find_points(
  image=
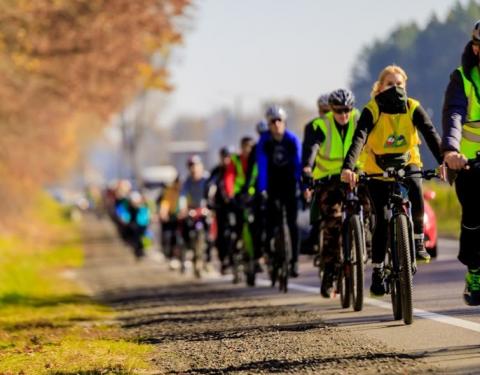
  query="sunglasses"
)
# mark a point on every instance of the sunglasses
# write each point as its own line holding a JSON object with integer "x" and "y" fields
{"x": 274, "y": 120}
{"x": 341, "y": 110}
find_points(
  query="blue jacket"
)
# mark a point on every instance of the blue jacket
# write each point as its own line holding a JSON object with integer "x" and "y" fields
{"x": 278, "y": 162}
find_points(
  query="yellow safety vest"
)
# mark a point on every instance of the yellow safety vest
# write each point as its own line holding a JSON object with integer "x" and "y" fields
{"x": 392, "y": 134}
{"x": 332, "y": 151}
{"x": 470, "y": 142}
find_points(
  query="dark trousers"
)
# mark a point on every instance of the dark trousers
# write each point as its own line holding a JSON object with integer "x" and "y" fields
{"x": 378, "y": 191}
{"x": 467, "y": 187}
{"x": 274, "y": 219}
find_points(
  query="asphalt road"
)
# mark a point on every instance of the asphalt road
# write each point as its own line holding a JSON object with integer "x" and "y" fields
{"x": 445, "y": 330}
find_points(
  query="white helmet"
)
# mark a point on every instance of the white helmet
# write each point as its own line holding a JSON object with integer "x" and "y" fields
{"x": 476, "y": 32}
{"x": 275, "y": 112}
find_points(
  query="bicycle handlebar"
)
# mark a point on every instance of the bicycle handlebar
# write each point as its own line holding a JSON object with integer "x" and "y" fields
{"x": 400, "y": 174}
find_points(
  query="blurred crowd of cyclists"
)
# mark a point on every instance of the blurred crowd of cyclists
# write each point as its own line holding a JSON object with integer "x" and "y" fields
{"x": 246, "y": 207}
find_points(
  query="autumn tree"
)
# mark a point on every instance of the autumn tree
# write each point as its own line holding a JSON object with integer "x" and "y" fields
{"x": 65, "y": 66}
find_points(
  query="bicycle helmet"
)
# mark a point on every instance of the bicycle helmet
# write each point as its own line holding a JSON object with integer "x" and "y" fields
{"x": 476, "y": 32}
{"x": 322, "y": 100}
{"x": 225, "y": 151}
{"x": 341, "y": 97}
{"x": 275, "y": 112}
{"x": 262, "y": 126}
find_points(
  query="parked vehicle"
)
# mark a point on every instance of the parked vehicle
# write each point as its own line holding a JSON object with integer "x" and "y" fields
{"x": 430, "y": 225}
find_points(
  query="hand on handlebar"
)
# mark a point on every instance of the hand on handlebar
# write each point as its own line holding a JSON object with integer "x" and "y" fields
{"x": 456, "y": 161}
{"x": 350, "y": 177}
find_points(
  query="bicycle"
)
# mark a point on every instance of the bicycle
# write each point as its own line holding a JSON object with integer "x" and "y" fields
{"x": 400, "y": 263}
{"x": 349, "y": 268}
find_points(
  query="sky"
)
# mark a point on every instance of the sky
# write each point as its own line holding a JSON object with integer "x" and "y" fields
{"x": 241, "y": 53}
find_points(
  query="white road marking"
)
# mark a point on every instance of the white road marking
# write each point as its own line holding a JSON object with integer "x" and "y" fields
{"x": 472, "y": 326}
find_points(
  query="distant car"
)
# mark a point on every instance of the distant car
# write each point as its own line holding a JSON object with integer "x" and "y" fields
{"x": 430, "y": 224}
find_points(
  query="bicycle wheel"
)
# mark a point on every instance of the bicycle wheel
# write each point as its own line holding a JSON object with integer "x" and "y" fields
{"x": 402, "y": 249}
{"x": 358, "y": 251}
{"x": 285, "y": 252}
{"x": 344, "y": 285}
{"x": 393, "y": 284}
{"x": 248, "y": 255}
{"x": 199, "y": 247}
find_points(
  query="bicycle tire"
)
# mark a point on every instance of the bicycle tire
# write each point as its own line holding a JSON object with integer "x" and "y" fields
{"x": 393, "y": 286}
{"x": 402, "y": 243}
{"x": 357, "y": 236}
{"x": 198, "y": 253}
{"x": 344, "y": 286}
{"x": 286, "y": 253}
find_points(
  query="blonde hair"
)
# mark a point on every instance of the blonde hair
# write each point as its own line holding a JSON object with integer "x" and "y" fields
{"x": 390, "y": 69}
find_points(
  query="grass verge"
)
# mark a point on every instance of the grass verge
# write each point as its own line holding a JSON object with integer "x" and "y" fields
{"x": 446, "y": 207}
{"x": 47, "y": 324}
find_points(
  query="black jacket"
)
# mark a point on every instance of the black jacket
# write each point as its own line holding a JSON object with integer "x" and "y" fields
{"x": 454, "y": 113}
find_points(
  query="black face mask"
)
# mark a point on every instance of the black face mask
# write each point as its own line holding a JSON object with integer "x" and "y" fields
{"x": 393, "y": 100}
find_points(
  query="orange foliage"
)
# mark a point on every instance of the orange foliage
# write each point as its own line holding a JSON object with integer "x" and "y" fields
{"x": 59, "y": 58}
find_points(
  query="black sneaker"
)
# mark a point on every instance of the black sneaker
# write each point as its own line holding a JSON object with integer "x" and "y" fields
{"x": 294, "y": 269}
{"x": 377, "y": 289}
{"x": 326, "y": 289}
{"x": 421, "y": 253}
{"x": 471, "y": 294}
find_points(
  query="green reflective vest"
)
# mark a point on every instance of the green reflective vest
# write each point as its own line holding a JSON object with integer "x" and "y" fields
{"x": 333, "y": 149}
{"x": 240, "y": 176}
{"x": 470, "y": 142}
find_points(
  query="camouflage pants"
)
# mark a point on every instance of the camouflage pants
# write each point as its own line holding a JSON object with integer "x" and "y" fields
{"x": 326, "y": 216}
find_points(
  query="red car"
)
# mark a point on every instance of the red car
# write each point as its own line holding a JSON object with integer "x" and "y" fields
{"x": 430, "y": 224}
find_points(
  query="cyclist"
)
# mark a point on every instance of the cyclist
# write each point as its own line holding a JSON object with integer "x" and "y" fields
{"x": 251, "y": 186}
{"x": 193, "y": 194}
{"x": 139, "y": 212}
{"x": 309, "y": 132}
{"x": 332, "y": 134}
{"x": 461, "y": 141}
{"x": 389, "y": 126}
{"x": 278, "y": 158}
{"x": 222, "y": 180}
{"x": 168, "y": 215}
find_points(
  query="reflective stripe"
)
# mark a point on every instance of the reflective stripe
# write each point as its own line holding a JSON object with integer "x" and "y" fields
{"x": 469, "y": 136}
{"x": 473, "y": 124}
{"x": 328, "y": 137}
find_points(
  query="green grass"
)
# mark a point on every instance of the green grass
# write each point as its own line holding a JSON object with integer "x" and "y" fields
{"x": 47, "y": 324}
{"x": 447, "y": 209}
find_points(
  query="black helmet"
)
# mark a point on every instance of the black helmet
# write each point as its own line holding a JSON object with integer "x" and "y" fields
{"x": 275, "y": 112}
{"x": 476, "y": 32}
{"x": 323, "y": 100}
{"x": 225, "y": 151}
{"x": 341, "y": 97}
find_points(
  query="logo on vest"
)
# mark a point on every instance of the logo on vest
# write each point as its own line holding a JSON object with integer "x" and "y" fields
{"x": 394, "y": 141}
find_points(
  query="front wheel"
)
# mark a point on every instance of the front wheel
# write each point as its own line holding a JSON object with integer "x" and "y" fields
{"x": 344, "y": 285}
{"x": 358, "y": 253}
{"x": 402, "y": 249}
{"x": 199, "y": 250}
